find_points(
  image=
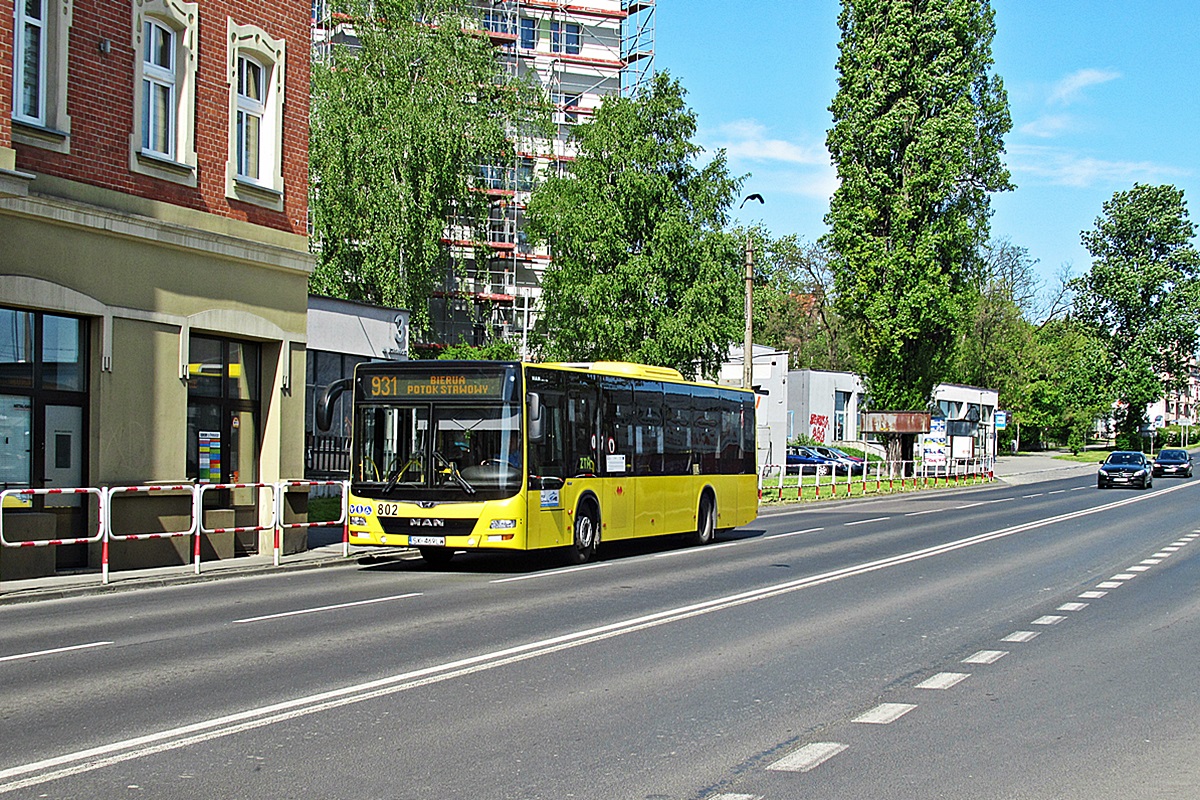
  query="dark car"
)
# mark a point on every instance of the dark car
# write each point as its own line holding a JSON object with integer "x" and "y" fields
{"x": 806, "y": 461}
{"x": 1125, "y": 468}
{"x": 846, "y": 463}
{"x": 1173, "y": 461}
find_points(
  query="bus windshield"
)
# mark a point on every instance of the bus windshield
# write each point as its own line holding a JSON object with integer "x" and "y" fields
{"x": 438, "y": 451}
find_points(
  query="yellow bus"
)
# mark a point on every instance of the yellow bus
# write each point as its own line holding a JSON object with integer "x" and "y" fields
{"x": 447, "y": 456}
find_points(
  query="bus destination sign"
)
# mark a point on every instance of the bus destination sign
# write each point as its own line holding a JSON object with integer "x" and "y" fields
{"x": 443, "y": 386}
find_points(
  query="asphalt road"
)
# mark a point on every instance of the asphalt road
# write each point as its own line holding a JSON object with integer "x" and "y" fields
{"x": 1033, "y": 641}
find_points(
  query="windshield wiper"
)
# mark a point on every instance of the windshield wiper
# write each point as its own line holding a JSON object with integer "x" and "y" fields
{"x": 455, "y": 475}
{"x": 398, "y": 473}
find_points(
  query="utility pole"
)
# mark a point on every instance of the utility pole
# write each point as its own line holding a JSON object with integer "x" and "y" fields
{"x": 748, "y": 342}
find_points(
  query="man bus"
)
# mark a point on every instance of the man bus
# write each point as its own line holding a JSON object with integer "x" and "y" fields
{"x": 477, "y": 455}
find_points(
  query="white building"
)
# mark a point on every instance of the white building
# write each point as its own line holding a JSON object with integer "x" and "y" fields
{"x": 770, "y": 381}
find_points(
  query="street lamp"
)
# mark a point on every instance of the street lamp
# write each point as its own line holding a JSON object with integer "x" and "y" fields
{"x": 748, "y": 344}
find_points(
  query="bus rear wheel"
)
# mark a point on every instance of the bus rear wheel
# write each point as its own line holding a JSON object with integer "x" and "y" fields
{"x": 587, "y": 536}
{"x": 706, "y": 523}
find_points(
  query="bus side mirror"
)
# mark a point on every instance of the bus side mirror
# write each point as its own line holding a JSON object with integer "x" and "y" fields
{"x": 537, "y": 429}
{"x": 325, "y": 403}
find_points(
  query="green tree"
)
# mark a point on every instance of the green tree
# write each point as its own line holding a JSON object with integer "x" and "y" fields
{"x": 917, "y": 138}
{"x": 793, "y": 303}
{"x": 400, "y": 127}
{"x": 1065, "y": 388}
{"x": 643, "y": 268}
{"x": 1141, "y": 297}
{"x": 493, "y": 351}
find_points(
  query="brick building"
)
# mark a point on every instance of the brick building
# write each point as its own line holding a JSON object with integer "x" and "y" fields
{"x": 153, "y": 253}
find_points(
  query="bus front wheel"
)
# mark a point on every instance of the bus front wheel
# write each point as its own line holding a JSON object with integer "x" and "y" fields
{"x": 706, "y": 523}
{"x": 587, "y": 536}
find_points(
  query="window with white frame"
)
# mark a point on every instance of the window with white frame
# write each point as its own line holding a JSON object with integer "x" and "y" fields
{"x": 564, "y": 37}
{"x": 39, "y": 74}
{"x": 162, "y": 143}
{"x": 256, "y": 89}
{"x": 158, "y": 89}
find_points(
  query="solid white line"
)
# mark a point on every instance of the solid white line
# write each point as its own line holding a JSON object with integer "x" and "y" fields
{"x": 1021, "y": 636}
{"x": 884, "y": 713}
{"x": 793, "y": 533}
{"x": 1072, "y": 606}
{"x": 53, "y": 651}
{"x": 552, "y": 573}
{"x": 68, "y": 764}
{"x": 1049, "y": 619}
{"x": 808, "y": 757}
{"x": 943, "y": 680}
{"x": 326, "y": 608}
{"x": 985, "y": 657}
{"x": 865, "y": 521}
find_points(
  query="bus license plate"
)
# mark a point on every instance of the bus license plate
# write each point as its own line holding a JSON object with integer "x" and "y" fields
{"x": 427, "y": 541}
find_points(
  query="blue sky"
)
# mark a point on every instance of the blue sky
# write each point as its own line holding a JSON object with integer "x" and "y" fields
{"x": 1102, "y": 96}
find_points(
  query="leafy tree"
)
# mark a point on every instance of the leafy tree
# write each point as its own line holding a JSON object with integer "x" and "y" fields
{"x": 643, "y": 268}
{"x": 400, "y": 127}
{"x": 917, "y": 137}
{"x": 493, "y": 351}
{"x": 1065, "y": 388}
{"x": 1141, "y": 297}
{"x": 793, "y": 304}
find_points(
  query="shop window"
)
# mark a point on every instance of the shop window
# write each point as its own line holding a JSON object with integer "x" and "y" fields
{"x": 223, "y": 398}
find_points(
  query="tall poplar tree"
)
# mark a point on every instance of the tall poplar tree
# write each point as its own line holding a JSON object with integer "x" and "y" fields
{"x": 401, "y": 126}
{"x": 917, "y": 138}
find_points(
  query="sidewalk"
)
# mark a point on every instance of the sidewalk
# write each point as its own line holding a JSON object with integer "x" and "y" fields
{"x": 1019, "y": 469}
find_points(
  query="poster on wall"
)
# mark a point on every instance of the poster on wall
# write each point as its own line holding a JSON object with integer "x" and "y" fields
{"x": 210, "y": 457}
{"x": 933, "y": 444}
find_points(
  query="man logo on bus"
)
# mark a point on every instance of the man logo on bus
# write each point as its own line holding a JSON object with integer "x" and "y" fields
{"x": 427, "y": 523}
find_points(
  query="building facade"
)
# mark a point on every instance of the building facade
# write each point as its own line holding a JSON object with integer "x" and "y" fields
{"x": 154, "y": 260}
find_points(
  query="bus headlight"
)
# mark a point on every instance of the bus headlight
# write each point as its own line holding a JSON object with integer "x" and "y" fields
{"x": 358, "y": 522}
{"x": 503, "y": 524}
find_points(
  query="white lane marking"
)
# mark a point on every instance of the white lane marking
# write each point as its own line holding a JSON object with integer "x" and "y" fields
{"x": 1072, "y": 606}
{"x": 1077, "y": 488}
{"x": 1139, "y": 568}
{"x": 926, "y": 511}
{"x": 809, "y": 757}
{"x": 1021, "y": 636}
{"x": 1057, "y": 491}
{"x": 319, "y": 609}
{"x": 1110, "y": 584}
{"x": 969, "y": 505}
{"x": 793, "y": 533}
{"x": 943, "y": 680}
{"x": 552, "y": 573}
{"x": 884, "y": 713}
{"x": 1123, "y": 576}
{"x": 687, "y": 550}
{"x": 1166, "y": 552}
{"x": 728, "y": 796}
{"x": 68, "y": 764}
{"x": 1049, "y": 619}
{"x": 1028, "y": 496}
{"x": 53, "y": 651}
{"x": 865, "y": 521}
{"x": 1092, "y": 595}
{"x": 985, "y": 657}
{"x": 1152, "y": 561}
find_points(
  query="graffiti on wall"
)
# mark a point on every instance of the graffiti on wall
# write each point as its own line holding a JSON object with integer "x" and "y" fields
{"x": 818, "y": 426}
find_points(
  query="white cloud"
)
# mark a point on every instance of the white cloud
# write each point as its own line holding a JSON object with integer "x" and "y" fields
{"x": 747, "y": 140}
{"x": 1070, "y": 89}
{"x": 1061, "y": 167}
{"x": 1048, "y": 126}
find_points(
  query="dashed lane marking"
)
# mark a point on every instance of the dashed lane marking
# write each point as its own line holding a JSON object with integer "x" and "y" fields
{"x": 1110, "y": 584}
{"x": 1092, "y": 595}
{"x": 319, "y": 609}
{"x": 944, "y": 680}
{"x": 809, "y": 757}
{"x": 1049, "y": 619}
{"x": 1123, "y": 576}
{"x": 884, "y": 713}
{"x": 54, "y": 651}
{"x": 737, "y": 797}
{"x": 1021, "y": 636}
{"x": 1152, "y": 561}
{"x": 865, "y": 521}
{"x": 551, "y": 573}
{"x": 793, "y": 533}
{"x": 1029, "y": 496}
{"x": 1072, "y": 606}
{"x": 1139, "y": 568}
{"x": 985, "y": 657}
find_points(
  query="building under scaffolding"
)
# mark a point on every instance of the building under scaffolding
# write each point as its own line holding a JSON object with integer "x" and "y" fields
{"x": 579, "y": 54}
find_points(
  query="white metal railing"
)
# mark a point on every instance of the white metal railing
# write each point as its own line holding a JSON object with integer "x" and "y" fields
{"x": 829, "y": 480}
{"x": 104, "y": 531}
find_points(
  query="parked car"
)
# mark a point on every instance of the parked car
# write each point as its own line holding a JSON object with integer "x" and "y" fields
{"x": 806, "y": 461}
{"x": 1125, "y": 468}
{"x": 846, "y": 463}
{"x": 1173, "y": 461}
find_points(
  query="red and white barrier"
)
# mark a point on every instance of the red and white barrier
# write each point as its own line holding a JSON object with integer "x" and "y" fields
{"x": 343, "y": 514}
{"x": 192, "y": 529}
